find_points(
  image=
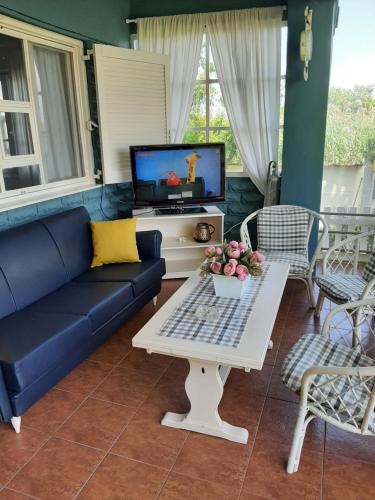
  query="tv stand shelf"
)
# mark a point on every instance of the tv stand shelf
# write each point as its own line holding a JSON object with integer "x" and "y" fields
{"x": 182, "y": 253}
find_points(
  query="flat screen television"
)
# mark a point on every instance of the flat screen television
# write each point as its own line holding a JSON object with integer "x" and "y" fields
{"x": 175, "y": 175}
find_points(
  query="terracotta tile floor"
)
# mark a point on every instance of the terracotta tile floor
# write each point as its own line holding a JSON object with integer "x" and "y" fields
{"x": 97, "y": 434}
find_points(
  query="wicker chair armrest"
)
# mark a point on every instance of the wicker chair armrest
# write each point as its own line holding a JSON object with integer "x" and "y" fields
{"x": 348, "y": 306}
{"x": 363, "y": 373}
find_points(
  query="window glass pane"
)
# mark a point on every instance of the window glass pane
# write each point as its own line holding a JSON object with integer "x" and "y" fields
{"x": 195, "y": 136}
{"x": 282, "y": 100}
{"x": 56, "y": 114}
{"x": 218, "y": 113}
{"x": 232, "y": 157}
{"x": 280, "y": 148}
{"x": 202, "y": 61}
{"x": 197, "y": 117}
{"x": 21, "y": 177}
{"x": 13, "y": 83}
{"x": 16, "y": 134}
{"x": 211, "y": 67}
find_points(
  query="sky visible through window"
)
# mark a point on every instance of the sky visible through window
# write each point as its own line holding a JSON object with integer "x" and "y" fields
{"x": 353, "y": 60}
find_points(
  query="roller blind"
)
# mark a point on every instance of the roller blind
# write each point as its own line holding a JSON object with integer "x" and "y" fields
{"x": 133, "y": 105}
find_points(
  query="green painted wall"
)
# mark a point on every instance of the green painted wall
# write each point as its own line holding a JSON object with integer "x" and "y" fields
{"x": 306, "y": 105}
{"x": 97, "y": 20}
{"x": 144, "y": 8}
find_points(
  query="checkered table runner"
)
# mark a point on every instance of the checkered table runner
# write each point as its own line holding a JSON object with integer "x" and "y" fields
{"x": 229, "y": 326}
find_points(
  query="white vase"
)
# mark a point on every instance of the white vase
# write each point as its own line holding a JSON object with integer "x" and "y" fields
{"x": 229, "y": 286}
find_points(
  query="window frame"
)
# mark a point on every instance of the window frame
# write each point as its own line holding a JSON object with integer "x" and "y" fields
{"x": 207, "y": 129}
{"x": 30, "y": 34}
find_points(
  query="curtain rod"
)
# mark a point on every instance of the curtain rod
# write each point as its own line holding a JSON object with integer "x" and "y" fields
{"x": 129, "y": 21}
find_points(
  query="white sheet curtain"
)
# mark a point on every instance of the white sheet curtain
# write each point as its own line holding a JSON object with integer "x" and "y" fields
{"x": 55, "y": 114}
{"x": 246, "y": 48}
{"x": 180, "y": 38}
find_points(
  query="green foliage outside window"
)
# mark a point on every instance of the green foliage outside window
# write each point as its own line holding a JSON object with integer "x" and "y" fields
{"x": 350, "y": 133}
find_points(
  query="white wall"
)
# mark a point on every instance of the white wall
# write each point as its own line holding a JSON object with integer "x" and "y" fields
{"x": 342, "y": 186}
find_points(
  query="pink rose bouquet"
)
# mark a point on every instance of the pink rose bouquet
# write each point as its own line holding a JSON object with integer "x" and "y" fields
{"x": 232, "y": 259}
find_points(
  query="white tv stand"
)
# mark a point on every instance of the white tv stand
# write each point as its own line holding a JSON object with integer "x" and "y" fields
{"x": 182, "y": 253}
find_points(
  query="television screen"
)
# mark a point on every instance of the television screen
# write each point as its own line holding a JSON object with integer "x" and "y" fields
{"x": 178, "y": 174}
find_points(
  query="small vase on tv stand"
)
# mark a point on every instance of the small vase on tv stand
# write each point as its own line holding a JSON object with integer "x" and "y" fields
{"x": 203, "y": 232}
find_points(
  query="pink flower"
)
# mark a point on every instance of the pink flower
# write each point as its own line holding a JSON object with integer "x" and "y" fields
{"x": 259, "y": 257}
{"x": 215, "y": 267}
{"x": 219, "y": 251}
{"x": 233, "y": 261}
{"x": 241, "y": 269}
{"x": 242, "y": 277}
{"x": 229, "y": 269}
{"x": 242, "y": 246}
{"x": 233, "y": 244}
{"x": 234, "y": 254}
{"x": 210, "y": 251}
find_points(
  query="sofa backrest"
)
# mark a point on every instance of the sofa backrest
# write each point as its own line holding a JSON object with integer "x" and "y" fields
{"x": 72, "y": 234}
{"x": 7, "y": 304}
{"x": 40, "y": 257}
{"x": 31, "y": 263}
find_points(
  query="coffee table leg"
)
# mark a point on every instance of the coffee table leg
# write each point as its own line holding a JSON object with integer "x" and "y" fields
{"x": 204, "y": 387}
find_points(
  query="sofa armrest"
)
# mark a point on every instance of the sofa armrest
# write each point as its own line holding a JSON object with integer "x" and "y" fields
{"x": 149, "y": 243}
{"x": 5, "y": 408}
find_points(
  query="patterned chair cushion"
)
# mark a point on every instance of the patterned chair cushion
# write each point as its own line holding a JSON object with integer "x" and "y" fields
{"x": 316, "y": 350}
{"x": 369, "y": 270}
{"x": 342, "y": 287}
{"x": 283, "y": 229}
{"x": 298, "y": 263}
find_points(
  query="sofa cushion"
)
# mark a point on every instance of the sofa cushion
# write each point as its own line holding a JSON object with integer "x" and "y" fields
{"x": 7, "y": 304}
{"x": 71, "y": 232}
{"x": 98, "y": 301}
{"x": 142, "y": 275}
{"x": 31, "y": 263}
{"x": 31, "y": 343}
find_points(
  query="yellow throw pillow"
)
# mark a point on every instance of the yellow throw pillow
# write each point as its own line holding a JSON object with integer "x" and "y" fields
{"x": 114, "y": 242}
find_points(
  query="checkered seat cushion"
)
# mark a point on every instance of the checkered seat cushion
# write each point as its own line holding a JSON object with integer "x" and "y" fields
{"x": 283, "y": 229}
{"x": 369, "y": 270}
{"x": 341, "y": 398}
{"x": 298, "y": 263}
{"x": 343, "y": 287}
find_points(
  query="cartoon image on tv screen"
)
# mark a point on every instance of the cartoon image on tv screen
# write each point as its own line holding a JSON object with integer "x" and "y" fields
{"x": 172, "y": 175}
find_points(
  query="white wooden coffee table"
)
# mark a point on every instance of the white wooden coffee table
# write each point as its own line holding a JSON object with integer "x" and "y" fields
{"x": 210, "y": 364}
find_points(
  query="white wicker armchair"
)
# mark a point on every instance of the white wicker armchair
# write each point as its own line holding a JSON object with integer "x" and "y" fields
{"x": 283, "y": 234}
{"x": 335, "y": 382}
{"x": 340, "y": 280}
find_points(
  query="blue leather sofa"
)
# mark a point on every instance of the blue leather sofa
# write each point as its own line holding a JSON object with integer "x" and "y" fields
{"x": 54, "y": 309}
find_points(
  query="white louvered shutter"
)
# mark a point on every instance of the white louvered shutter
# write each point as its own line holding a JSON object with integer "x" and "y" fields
{"x": 133, "y": 105}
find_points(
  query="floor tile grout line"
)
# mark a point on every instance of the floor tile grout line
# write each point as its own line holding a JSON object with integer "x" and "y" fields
{"x": 43, "y": 444}
{"x": 97, "y": 466}
{"x": 255, "y": 438}
{"x": 53, "y": 433}
{"x": 171, "y": 468}
{"x": 21, "y": 492}
{"x": 28, "y": 461}
{"x": 115, "y": 441}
